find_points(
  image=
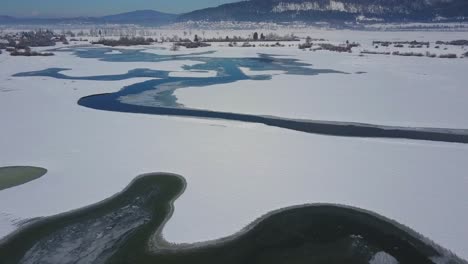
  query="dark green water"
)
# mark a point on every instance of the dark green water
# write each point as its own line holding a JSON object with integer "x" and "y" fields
{"x": 18, "y": 175}
{"x": 119, "y": 229}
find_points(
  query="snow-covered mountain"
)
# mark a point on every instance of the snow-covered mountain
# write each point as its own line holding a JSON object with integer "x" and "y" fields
{"x": 284, "y": 11}
{"x": 319, "y": 10}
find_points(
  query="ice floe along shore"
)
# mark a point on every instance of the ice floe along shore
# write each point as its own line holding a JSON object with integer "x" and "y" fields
{"x": 237, "y": 172}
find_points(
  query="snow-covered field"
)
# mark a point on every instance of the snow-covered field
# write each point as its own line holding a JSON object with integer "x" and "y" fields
{"x": 237, "y": 172}
{"x": 392, "y": 90}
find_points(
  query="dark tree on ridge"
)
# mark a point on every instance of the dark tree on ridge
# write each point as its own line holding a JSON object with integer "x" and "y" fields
{"x": 255, "y": 36}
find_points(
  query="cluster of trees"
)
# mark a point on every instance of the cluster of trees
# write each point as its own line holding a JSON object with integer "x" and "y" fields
{"x": 127, "y": 31}
{"x": 187, "y": 43}
{"x": 192, "y": 45}
{"x": 248, "y": 45}
{"x": 120, "y": 31}
{"x": 376, "y": 52}
{"x": 41, "y": 38}
{"x": 327, "y": 46}
{"x": 68, "y": 33}
{"x": 29, "y": 53}
{"x": 416, "y": 46}
{"x": 256, "y": 38}
{"x": 271, "y": 37}
{"x": 19, "y": 44}
{"x": 430, "y": 55}
{"x": 309, "y": 43}
{"x": 460, "y": 42}
{"x": 388, "y": 43}
{"x": 244, "y": 45}
{"x": 331, "y": 47}
{"x": 427, "y": 54}
{"x": 26, "y": 51}
{"x": 199, "y": 42}
{"x": 2, "y": 46}
{"x": 95, "y": 32}
{"x": 175, "y": 47}
{"x": 400, "y": 44}
{"x": 125, "y": 41}
{"x": 174, "y": 39}
{"x": 277, "y": 44}
{"x": 408, "y": 54}
{"x": 448, "y": 56}
{"x": 412, "y": 54}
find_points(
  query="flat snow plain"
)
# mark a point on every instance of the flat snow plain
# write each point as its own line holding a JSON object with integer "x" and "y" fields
{"x": 380, "y": 89}
{"x": 237, "y": 172}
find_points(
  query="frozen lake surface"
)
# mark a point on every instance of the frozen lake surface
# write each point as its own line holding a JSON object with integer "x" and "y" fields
{"x": 157, "y": 96}
{"x": 238, "y": 171}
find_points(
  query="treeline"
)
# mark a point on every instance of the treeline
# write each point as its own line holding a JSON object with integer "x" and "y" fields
{"x": 40, "y": 38}
{"x": 250, "y": 45}
{"x": 412, "y": 54}
{"x": 120, "y": 31}
{"x": 23, "y": 51}
{"x": 19, "y": 44}
{"x": 125, "y": 41}
{"x": 400, "y": 44}
{"x": 346, "y": 47}
{"x": 271, "y": 37}
{"x": 191, "y": 45}
{"x": 460, "y": 42}
{"x": 29, "y": 53}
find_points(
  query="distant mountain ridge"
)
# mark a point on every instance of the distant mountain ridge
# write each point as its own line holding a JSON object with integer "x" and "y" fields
{"x": 283, "y": 11}
{"x": 140, "y": 17}
{"x": 332, "y": 10}
{"x": 143, "y": 17}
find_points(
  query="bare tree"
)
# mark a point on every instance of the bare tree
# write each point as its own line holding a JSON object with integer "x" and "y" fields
{"x": 175, "y": 47}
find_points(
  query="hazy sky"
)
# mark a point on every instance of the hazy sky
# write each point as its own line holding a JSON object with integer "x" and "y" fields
{"x": 66, "y": 8}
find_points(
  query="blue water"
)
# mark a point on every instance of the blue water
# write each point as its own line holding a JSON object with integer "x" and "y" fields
{"x": 156, "y": 96}
{"x": 227, "y": 71}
